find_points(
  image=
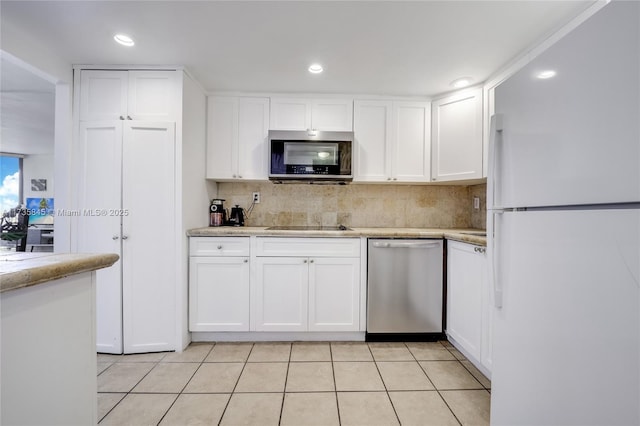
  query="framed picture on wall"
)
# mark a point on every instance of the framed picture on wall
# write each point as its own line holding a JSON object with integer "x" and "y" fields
{"x": 41, "y": 211}
{"x": 38, "y": 184}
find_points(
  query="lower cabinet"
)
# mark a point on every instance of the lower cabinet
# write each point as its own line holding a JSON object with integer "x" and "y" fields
{"x": 307, "y": 294}
{"x": 219, "y": 294}
{"x": 285, "y": 285}
{"x": 469, "y": 306}
{"x": 219, "y": 280}
{"x": 307, "y": 284}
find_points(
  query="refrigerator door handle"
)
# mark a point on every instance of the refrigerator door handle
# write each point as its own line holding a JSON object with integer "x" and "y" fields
{"x": 495, "y": 128}
{"x": 493, "y": 255}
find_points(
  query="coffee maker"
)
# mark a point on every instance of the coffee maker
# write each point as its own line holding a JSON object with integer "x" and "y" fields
{"x": 217, "y": 213}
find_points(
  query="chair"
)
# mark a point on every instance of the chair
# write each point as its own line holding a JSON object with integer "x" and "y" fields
{"x": 15, "y": 230}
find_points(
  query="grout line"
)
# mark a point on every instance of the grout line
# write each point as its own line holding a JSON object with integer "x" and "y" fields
{"x": 236, "y": 385}
{"x": 335, "y": 385}
{"x": 286, "y": 378}
{"x": 386, "y": 390}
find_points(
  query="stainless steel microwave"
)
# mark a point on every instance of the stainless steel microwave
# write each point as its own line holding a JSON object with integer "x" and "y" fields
{"x": 310, "y": 155}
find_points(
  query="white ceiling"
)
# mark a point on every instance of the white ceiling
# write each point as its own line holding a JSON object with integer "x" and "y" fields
{"x": 413, "y": 48}
{"x": 26, "y": 111}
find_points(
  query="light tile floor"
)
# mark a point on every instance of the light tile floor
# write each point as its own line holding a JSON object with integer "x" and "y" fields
{"x": 337, "y": 383}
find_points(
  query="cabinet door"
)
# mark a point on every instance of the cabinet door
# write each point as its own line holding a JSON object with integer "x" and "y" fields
{"x": 290, "y": 114}
{"x": 280, "y": 294}
{"x": 219, "y": 294}
{"x": 148, "y": 253}
{"x": 103, "y": 95}
{"x": 334, "y": 294}
{"x": 99, "y": 188}
{"x": 457, "y": 137}
{"x": 253, "y": 119}
{"x": 332, "y": 115}
{"x": 372, "y": 132}
{"x": 411, "y": 150}
{"x": 153, "y": 95}
{"x": 464, "y": 296}
{"x": 222, "y": 137}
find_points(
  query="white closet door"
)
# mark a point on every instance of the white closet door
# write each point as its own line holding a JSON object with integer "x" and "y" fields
{"x": 99, "y": 191}
{"x": 148, "y": 247}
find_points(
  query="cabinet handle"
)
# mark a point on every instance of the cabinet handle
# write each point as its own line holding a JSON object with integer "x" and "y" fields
{"x": 122, "y": 117}
{"x": 311, "y": 261}
{"x": 234, "y": 176}
{"x": 304, "y": 261}
{"x": 129, "y": 117}
{"x": 395, "y": 178}
{"x": 388, "y": 178}
{"x": 239, "y": 177}
{"x": 219, "y": 247}
{"x": 115, "y": 237}
{"x": 125, "y": 237}
{"x": 246, "y": 261}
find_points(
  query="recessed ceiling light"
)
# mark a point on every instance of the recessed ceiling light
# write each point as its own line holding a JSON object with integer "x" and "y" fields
{"x": 124, "y": 40}
{"x": 315, "y": 69}
{"x": 461, "y": 82}
{"x": 546, "y": 74}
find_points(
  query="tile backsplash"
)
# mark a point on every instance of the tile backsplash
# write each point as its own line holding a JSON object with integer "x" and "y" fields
{"x": 357, "y": 205}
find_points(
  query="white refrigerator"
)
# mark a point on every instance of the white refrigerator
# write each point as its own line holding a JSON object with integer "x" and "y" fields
{"x": 564, "y": 230}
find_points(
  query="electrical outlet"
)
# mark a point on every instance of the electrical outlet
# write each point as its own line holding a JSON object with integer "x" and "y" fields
{"x": 476, "y": 203}
{"x": 256, "y": 197}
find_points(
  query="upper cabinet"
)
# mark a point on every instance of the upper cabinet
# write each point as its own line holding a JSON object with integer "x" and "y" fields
{"x": 237, "y": 138}
{"x": 319, "y": 114}
{"x": 392, "y": 141}
{"x": 457, "y": 149}
{"x": 129, "y": 95}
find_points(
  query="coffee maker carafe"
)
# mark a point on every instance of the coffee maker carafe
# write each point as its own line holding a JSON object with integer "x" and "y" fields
{"x": 217, "y": 213}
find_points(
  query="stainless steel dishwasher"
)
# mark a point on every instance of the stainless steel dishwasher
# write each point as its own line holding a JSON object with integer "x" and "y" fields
{"x": 404, "y": 295}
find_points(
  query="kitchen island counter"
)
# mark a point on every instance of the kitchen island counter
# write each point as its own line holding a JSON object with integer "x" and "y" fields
{"x": 458, "y": 234}
{"x": 18, "y": 270}
{"x": 48, "y": 309}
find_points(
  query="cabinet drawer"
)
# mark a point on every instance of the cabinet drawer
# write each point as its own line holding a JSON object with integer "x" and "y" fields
{"x": 217, "y": 246}
{"x": 320, "y": 247}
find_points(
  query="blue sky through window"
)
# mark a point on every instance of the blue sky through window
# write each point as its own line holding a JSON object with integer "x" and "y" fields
{"x": 10, "y": 180}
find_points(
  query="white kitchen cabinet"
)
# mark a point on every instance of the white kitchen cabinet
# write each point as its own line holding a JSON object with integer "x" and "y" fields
{"x": 237, "y": 138}
{"x": 457, "y": 149}
{"x": 219, "y": 284}
{"x": 128, "y": 95}
{"x": 130, "y": 185}
{"x": 334, "y": 293}
{"x": 469, "y": 305}
{"x": 124, "y": 192}
{"x": 319, "y": 114}
{"x": 392, "y": 141}
{"x": 281, "y": 294}
{"x": 307, "y": 284}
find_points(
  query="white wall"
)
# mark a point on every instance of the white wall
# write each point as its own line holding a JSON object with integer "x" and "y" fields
{"x": 194, "y": 191}
{"x": 38, "y": 167}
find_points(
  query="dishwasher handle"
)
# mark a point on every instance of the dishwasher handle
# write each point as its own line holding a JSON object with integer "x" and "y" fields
{"x": 400, "y": 244}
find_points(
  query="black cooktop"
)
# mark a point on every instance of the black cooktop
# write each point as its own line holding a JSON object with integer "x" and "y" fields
{"x": 308, "y": 228}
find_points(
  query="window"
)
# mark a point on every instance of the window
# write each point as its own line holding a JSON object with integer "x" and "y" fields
{"x": 11, "y": 180}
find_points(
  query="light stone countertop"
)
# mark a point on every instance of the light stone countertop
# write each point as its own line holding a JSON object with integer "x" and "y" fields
{"x": 465, "y": 235}
{"x": 18, "y": 269}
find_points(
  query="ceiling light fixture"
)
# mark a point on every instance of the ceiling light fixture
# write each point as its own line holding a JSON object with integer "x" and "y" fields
{"x": 124, "y": 40}
{"x": 461, "y": 82}
{"x": 315, "y": 69}
{"x": 543, "y": 75}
